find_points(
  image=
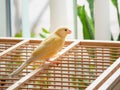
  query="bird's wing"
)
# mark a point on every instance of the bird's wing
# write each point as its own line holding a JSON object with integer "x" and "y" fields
{"x": 49, "y": 45}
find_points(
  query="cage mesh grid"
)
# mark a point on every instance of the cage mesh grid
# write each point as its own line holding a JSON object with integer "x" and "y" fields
{"x": 79, "y": 66}
{"x": 7, "y": 43}
{"x": 14, "y": 58}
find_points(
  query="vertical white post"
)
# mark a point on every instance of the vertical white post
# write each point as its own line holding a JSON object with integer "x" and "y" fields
{"x": 3, "y": 19}
{"x": 25, "y": 19}
{"x": 102, "y": 22}
{"x": 58, "y": 14}
{"x": 61, "y": 14}
{"x": 75, "y": 18}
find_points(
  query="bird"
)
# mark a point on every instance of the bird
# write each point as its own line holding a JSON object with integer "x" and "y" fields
{"x": 47, "y": 49}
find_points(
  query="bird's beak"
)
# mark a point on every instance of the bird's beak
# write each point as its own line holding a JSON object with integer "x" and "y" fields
{"x": 69, "y": 31}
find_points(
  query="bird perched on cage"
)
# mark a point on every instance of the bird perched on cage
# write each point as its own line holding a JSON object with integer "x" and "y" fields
{"x": 47, "y": 49}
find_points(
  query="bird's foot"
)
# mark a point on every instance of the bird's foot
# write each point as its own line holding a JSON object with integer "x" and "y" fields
{"x": 54, "y": 62}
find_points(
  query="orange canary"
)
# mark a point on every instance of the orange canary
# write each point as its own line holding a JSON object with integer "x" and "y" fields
{"x": 47, "y": 49}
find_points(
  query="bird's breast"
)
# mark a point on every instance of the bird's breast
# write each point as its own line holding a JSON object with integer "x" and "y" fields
{"x": 54, "y": 49}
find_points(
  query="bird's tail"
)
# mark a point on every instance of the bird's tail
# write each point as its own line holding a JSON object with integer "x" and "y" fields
{"x": 25, "y": 64}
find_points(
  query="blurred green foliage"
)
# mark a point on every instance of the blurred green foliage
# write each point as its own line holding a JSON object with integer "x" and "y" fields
{"x": 87, "y": 21}
{"x": 43, "y": 34}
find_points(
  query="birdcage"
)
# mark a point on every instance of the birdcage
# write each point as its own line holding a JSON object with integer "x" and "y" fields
{"x": 81, "y": 64}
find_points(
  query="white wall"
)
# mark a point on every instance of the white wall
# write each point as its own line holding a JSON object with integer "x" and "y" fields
{"x": 102, "y": 20}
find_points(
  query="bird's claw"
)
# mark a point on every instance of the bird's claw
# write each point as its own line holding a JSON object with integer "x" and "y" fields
{"x": 56, "y": 62}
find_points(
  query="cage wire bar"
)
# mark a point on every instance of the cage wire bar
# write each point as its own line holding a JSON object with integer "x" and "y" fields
{"x": 7, "y": 43}
{"x": 81, "y": 63}
{"x": 109, "y": 79}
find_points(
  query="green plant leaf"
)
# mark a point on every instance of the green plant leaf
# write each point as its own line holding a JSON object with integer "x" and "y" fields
{"x": 32, "y": 35}
{"x": 45, "y": 31}
{"x": 112, "y": 38}
{"x": 88, "y": 26}
{"x": 42, "y": 35}
{"x": 18, "y": 34}
{"x": 115, "y": 3}
{"x": 118, "y": 39}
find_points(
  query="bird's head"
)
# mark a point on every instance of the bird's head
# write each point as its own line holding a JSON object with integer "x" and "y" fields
{"x": 63, "y": 31}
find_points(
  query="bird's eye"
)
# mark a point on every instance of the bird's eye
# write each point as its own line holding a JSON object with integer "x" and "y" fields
{"x": 65, "y": 29}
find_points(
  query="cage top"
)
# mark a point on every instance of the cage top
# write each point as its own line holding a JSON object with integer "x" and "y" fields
{"x": 81, "y": 63}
